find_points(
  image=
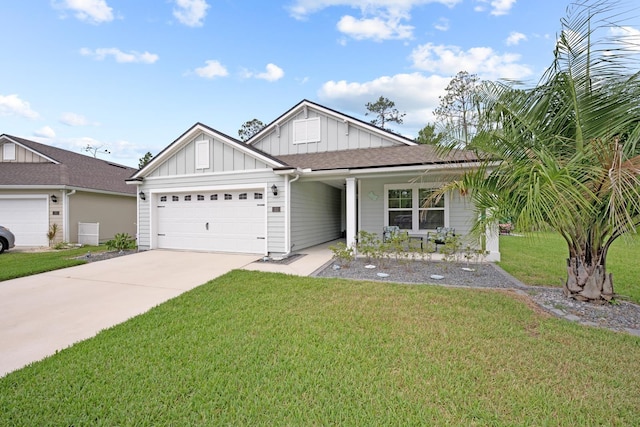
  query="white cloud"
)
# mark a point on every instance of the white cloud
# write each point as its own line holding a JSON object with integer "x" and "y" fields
{"x": 484, "y": 61}
{"x": 301, "y": 9}
{"x": 271, "y": 74}
{"x": 498, "y": 7}
{"x": 211, "y": 70}
{"x": 73, "y": 119}
{"x": 379, "y": 20}
{"x": 515, "y": 38}
{"x": 376, "y": 28}
{"x": 11, "y": 105}
{"x": 120, "y": 56}
{"x": 191, "y": 12}
{"x": 92, "y": 11}
{"x": 442, "y": 24}
{"x": 45, "y": 132}
{"x": 629, "y": 37}
{"x": 415, "y": 94}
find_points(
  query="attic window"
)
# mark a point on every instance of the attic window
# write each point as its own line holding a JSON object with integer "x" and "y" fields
{"x": 202, "y": 154}
{"x": 9, "y": 151}
{"x": 307, "y": 130}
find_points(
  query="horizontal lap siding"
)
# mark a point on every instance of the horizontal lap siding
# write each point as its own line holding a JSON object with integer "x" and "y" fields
{"x": 275, "y": 220}
{"x": 315, "y": 214}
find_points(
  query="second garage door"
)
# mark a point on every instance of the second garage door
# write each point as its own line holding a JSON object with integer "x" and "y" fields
{"x": 224, "y": 221}
{"x": 27, "y": 218}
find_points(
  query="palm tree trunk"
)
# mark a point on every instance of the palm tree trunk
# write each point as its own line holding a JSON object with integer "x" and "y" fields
{"x": 587, "y": 282}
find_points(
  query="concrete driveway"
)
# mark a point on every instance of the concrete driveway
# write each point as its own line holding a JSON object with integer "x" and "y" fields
{"x": 50, "y": 311}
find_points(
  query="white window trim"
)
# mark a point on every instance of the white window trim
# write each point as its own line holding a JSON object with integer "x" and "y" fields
{"x": 202, "y": 154}
{"x": 304, "y": 139}
{"x": 415, "y": 209}
{"x": 9, "y": 151}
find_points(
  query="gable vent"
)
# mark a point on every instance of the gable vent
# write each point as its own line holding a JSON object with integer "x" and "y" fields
{"x": 307, "y": 130}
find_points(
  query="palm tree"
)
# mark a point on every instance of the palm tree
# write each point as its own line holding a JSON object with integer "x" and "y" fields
{"x": 565, "y": 154}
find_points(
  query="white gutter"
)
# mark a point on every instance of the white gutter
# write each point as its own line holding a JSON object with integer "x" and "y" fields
{"x": 66, "y": 232}
{"x": 287, "y": 220}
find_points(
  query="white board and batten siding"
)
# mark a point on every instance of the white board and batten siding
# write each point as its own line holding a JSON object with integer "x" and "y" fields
{"x": 316, "y": 215}
{"x": 317, "y": 132}
{"x": 207, "y": 154}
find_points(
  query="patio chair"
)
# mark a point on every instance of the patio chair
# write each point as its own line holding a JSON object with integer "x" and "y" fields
{"x": 439, "y": 237}
{"x": 389, "y": 231}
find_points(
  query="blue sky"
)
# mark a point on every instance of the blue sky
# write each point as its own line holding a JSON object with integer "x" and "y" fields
{"x": 131, "y": 76}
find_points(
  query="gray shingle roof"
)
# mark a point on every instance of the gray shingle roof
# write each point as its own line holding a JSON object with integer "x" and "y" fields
{"x": 377, "y": 157}
{"x": 74, "y": 170}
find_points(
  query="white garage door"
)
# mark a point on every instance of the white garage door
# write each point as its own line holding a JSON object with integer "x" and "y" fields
{"x": 27, "y": 219}
{"x": 224, "y": 221}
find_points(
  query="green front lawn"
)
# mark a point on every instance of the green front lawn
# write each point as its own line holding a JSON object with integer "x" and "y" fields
{"x": 540, "y": 259}
{"x": 256, "y": 348}
{"x": 15, "y": 264}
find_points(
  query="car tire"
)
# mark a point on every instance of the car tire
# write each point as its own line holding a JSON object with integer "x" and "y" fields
{"x": 3, "y": 245}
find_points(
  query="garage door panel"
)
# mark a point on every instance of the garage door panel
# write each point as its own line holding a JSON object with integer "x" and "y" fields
{"x": 236, "y": 225}
{"x": 27, "y": 218}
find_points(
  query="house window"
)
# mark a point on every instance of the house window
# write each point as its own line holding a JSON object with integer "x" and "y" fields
{"x": 257, "y": 196}
{"x": 242, "y": 196}
{"x": 228, "y": 197}
{"x": 175, "y": 198}
{"x": 187, "y": 198}
{"x": 200, "y": 197}
{"x": 409, "y": 207}
{"x": 307, "y": 130}
{"x": 202, "y": 154}
{"x": 9, "y": 151}
{"x": 213, "y": 197}
{"x": 163, "y": 198}
{"x": 400, "y": 211}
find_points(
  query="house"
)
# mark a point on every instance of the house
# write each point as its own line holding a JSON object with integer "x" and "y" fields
{"x": 41, "y": 185}
{"x": 311, "y": 176}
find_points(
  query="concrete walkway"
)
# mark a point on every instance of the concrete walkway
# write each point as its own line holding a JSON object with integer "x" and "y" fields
{"x": 46, "y": 312}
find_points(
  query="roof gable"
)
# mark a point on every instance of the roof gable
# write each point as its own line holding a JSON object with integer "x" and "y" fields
{"x": 310, "y": 128}
{"x": 225, "y": 154}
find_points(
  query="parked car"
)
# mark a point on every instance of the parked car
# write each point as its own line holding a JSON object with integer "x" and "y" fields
{"x": 7, "y": 239}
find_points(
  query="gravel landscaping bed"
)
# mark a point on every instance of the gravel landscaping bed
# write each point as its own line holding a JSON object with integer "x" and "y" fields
{"x": 621, "y": 316}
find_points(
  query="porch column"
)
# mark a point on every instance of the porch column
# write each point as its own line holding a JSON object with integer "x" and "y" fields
{"x": 351, "y": 212}
{"x": 492, "y": 241}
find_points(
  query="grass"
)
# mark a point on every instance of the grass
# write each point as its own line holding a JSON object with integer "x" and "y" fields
{"x": 19, "y": 264}
{"x": 540, "y": 259}
{"x": 256, "y": 348}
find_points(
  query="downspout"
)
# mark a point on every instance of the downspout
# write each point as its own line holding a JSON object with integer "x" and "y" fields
{"x": 288, "y": 213}
{"x": 66, "y": 232}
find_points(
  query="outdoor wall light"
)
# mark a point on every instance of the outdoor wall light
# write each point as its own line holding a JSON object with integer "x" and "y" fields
{"x": 274, "y": 189}
{"x": 54, "y": 199}
{"x": 142, "y": 195}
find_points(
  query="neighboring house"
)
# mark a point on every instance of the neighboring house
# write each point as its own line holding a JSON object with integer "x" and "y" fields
{"x": 42, "y": 185}
{"x": 311, "y": 176}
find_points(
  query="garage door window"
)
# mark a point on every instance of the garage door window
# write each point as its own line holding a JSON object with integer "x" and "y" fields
{"x": 163, "y": 198}
{"x": 200, "y": 197}
{"x": 257, "y": 196}
{"x": 175, "y": 198}
{"x": 228, "y": 197}
{"x": 242, "y": 196}
{"x": 187, "y": 198}
{"x": 214, "y": 197}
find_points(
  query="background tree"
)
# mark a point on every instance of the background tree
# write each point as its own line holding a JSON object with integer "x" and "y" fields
{"x": 250, "y": 128}
{"x": 458, "y": 111}
{"x": 564, "y": 154}
{"x": 428, "y": 135}
{"x": 384, "y": 111}
{"x": 144, "y": 160}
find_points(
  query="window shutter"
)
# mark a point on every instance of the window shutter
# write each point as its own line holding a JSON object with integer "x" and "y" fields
{"x": 306, "y": 130}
